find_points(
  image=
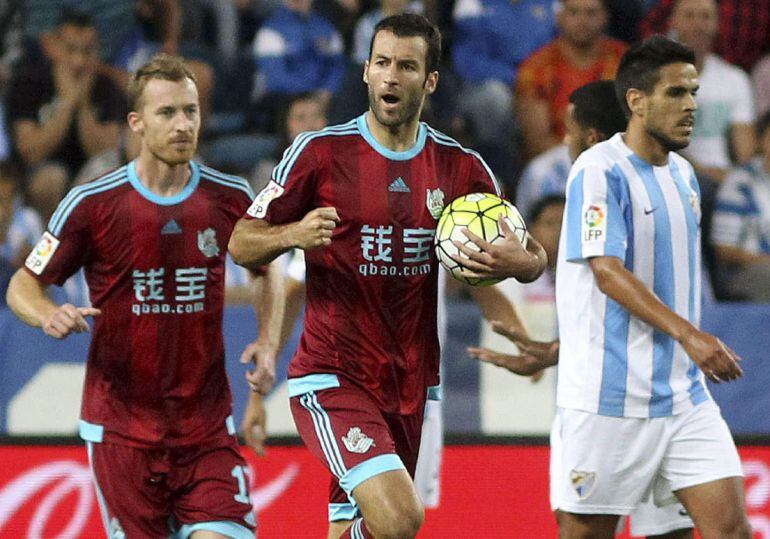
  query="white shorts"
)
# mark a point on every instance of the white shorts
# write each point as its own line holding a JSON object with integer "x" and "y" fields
{"x": 428, "y": 472}
{"x": 607, "y": 465}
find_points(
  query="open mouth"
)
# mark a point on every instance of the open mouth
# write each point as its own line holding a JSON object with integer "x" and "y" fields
{"x": 390, "y": 99}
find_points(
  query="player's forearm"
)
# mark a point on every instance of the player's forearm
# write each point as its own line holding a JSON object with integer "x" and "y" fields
{"x": 255, "y": 243}
{"x": 269, "y": 304}
{"x": 728, "y": 254}
{"x": 622, "y": 286}
{"x": 27, "y": 299}
{"x": 494, "y": 305}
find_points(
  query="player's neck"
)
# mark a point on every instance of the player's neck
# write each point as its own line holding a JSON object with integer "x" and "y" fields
{"x": 398, "y": 138}
{"x": 645, "y": 145}
{"x": 161, "y": 178}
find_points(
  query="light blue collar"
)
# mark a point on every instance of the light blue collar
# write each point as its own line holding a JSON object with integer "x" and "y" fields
{"x": 161, "y": 200}
{"x": 385, "y": 152}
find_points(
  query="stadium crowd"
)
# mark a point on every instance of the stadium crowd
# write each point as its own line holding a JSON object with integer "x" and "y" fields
{"x": 269, "y": 69}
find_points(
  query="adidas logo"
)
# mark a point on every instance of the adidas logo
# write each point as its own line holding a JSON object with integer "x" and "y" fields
{"x": 399, "y": 186}
{"x": 171, "y": 228}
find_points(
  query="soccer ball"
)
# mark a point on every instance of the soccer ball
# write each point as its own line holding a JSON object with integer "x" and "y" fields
{"x": 478, "y": 212}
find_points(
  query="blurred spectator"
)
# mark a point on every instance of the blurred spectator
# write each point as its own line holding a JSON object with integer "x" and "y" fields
{"x": 297, "y": 51}
{"x": 62, "y": 111}
{"x": 593, "y": 114}
{"x": 744, "y": 28}
{"x": 492, "y": 38}
{"x": 304, "y": 112}
{"x": 579, "y": 55}
{"x": 365, "y": 28}
{"x": 723, "y": 121}
{"x": 760, "y": 79}
{"x": 741, "y": 225}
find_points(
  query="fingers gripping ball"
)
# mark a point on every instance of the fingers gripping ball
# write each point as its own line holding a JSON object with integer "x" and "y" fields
{"x": 478, "y": 212}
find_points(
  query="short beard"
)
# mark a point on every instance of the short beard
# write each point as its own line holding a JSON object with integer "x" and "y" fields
{"x": 666, "y": 142}
{"x": 409, "y": 110}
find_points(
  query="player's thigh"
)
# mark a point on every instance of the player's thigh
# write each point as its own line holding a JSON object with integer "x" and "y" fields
{"x": 702, "y": 467}
{"x": 586, "y": 526}
{"x": 131, "y": 490}
{"x": 389, "y": 502}
{"x": 215, "y": 487}
{"x": 592, "y": 458}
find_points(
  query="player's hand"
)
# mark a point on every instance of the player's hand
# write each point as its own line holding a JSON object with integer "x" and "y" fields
{"x": 523, "y": 364}
{"x": 262, "y": 355}
{"x": 316, "y": 228}
{"x": 717, "y": 361}
{"x": 68, "y": 319}
{"x": 507, "y": 258}
{"x": 253, "y": 424}
{"x": 546, "y": 351}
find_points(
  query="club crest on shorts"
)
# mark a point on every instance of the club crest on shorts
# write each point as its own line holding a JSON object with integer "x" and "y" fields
{"x": 583, "y": 483}
{"x": 434, "y": 201}
{"x": 356, "y": 441}
{"x": 207, "y": 242}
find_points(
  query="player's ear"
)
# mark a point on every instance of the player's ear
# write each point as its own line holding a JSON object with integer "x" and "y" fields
{"x": 135, "y": 122}
{"x": 635, "y": 101}
{"x": 366, "y": 72}
{"x": 431, "y": 82}
{"x": 594, "y": 136}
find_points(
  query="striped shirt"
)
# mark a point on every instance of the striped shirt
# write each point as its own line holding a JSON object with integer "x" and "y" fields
{"x": 613, "y": 363}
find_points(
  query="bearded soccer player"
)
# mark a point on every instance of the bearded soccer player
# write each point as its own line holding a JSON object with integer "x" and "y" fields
{"x": 152, "y": 238}
{"x": 362, "y": 200}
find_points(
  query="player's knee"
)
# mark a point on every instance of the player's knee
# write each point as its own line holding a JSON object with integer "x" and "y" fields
{"x": 401, "y": 522}
{"x": 732, "y": 526}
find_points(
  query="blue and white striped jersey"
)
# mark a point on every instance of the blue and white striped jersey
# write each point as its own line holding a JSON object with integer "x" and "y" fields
{"x": 612, "y": 363}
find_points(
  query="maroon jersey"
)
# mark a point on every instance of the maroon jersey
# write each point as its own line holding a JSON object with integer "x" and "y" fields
{"x": 155, "y": 267}
{"x": 371, "y": 294}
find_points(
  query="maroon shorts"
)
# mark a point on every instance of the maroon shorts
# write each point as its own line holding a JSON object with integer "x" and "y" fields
{"x": 344, "y": 428}
{"x": 155, "y": 492}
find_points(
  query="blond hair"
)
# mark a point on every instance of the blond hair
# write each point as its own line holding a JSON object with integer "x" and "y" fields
{"x": 162, "y": 67}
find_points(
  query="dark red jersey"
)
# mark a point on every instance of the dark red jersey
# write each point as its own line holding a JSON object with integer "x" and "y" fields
{"x": 155, "y": 267}
{"x": 371, "y": 295}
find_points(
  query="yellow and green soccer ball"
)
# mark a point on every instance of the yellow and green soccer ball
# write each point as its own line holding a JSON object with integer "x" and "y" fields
{"x": 478, "y": 212}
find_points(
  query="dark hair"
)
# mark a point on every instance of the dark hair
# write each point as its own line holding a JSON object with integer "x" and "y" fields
{"x": 542, "y": 203}
{"x": 596, "y": 107}
{"x": 161, "y": 66}
{"x": 71, "y": 16}
{"x": 411, "y": 25}
{"x": 640, "y": 66}
{"x": 762, "y": 124}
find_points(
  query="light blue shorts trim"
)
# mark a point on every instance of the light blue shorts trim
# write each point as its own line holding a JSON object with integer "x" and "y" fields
{"x": 224, "y": 527}
{"x": 368, "y": 469}
{"x": 91, "y": 432}
{"x": 342, "y": 511}
{"x": 312, "y": 382}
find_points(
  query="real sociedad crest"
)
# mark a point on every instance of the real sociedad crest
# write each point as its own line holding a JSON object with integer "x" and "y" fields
{"x": 434, "y": 201}
{"x": 207, "y": 242}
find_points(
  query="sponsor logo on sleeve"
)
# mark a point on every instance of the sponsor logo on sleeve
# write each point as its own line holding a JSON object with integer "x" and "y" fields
{"x": 594, "y": 222}
{"x": 41, "y": 255}
{"x": 258, "y": 208}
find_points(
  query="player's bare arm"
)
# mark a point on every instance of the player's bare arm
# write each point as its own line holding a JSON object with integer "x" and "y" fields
{"x": 256, "y": 242}
{"x": 27, "y": 299}
{"x": 504, "y": 259}
{"x": 253, "y": 424}
{"x": 533, "y": 358}
{"x": 717, "y": 361}
{"x": 262, "y": 353}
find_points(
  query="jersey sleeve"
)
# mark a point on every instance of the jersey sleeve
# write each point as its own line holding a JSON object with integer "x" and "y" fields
{"x": 594, "y": 215}
{"x": 64, "y": 246}
{"x": 481, "y": 179}
{"x": 289, "y": 194}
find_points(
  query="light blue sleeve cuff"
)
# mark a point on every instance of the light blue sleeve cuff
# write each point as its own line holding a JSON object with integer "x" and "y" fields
{"x": 368, "y": 469}
{"x": 91, "y": 432}
{"x": 342, "y": 511}
{"x": 223, "y": 527}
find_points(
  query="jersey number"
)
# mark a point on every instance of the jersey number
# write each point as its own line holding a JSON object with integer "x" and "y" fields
{"x": 239, "y": 472}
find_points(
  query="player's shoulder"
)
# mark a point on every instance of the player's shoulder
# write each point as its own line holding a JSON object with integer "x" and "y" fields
{"x": 103, "y": 187}
{"x": 332, "y": 134}
{"x": 604, "y": 155}
{"x": 444, "y": 143}
{"x": 223, "y": 181}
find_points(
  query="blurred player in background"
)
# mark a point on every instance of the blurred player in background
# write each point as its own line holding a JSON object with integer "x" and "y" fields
{"x": 362, "y": 200}
{"x": 634, "y": 413}
{"x": 152, "y": 238}
{"x": 593, "y": 115}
